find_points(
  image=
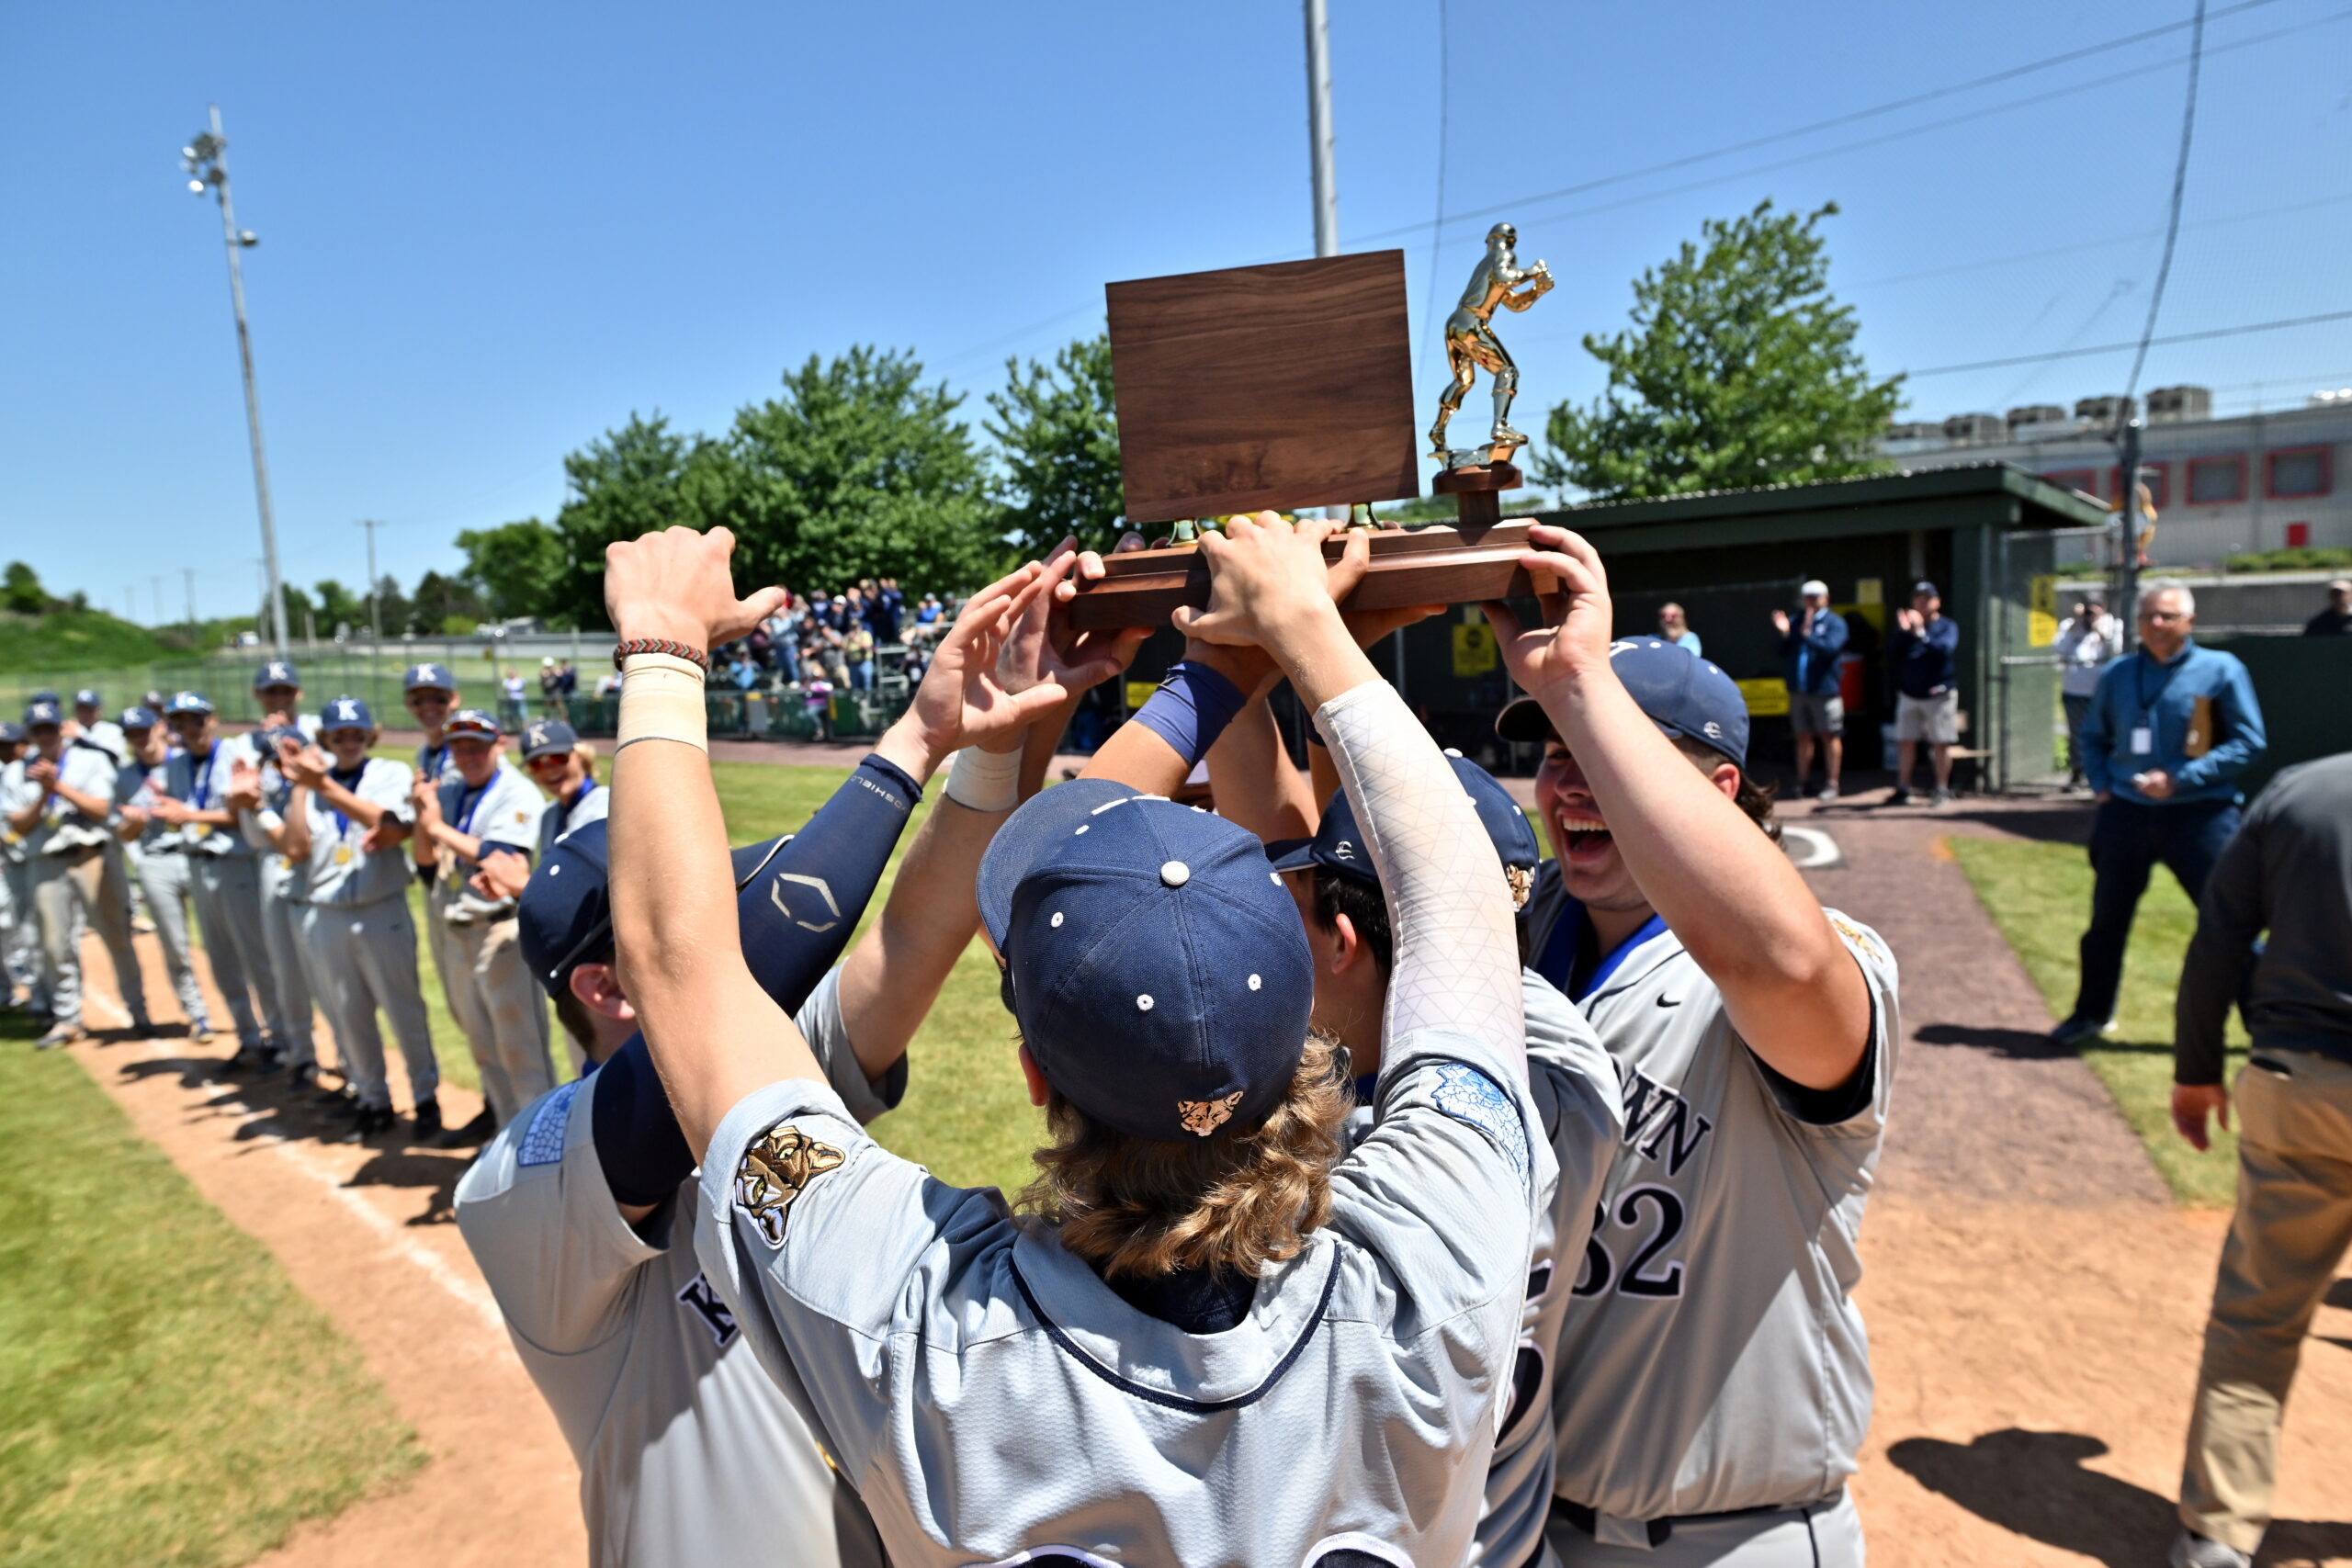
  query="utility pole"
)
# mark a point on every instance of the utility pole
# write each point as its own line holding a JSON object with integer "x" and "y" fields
{"x": 207, "y": 160}
{"x": 375, "y": 606}
{"x": 188, "y": 572}
{"x": 1318, "y": 128}
{"x": 2127, "y": 574}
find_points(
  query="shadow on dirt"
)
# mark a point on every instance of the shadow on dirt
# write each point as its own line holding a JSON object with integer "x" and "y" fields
{"x": 2034, "y": 1483}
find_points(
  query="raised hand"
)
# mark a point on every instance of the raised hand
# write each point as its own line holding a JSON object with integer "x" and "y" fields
{"x": 1572, "y": 592}
{"x": 962, "y": 700}
{"x": 305, "y": 765}
{"x": 1043, "y": 646}
{"x": 244, "y": 786}
{"x": 676, "y": 585}
{"x": 1781, "y": 622}
{"x": 1268, "y": 580}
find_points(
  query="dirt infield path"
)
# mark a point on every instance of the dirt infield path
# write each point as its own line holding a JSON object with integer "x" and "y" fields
{"x": 367, "y": 1234}
{"x": 2035, "y": 1301}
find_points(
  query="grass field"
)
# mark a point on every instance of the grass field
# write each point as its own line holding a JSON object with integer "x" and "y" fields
{"x": 126, "y": 1304}
{"x": 966, "y": 1114}
{"x": 2039, "y": 894}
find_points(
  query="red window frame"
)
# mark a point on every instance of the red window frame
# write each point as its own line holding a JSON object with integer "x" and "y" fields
{"x": 2084, "y": 479}
{"x": 2159, "y": 482}
{"x": 2189, "y": 487}
{"x": 2326, "y": 456}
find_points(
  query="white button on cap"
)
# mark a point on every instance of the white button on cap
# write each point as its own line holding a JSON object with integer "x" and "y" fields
{"x": 1255, "y": 982}
{"x": 1143, "y": 1002}
{"x": 1057, "y": 920}
{"x": 1175, "y": 874}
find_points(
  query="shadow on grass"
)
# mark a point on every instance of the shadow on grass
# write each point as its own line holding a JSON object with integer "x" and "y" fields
{"x": 2047, "y": 825}
{"x": 2035, "y": 1485}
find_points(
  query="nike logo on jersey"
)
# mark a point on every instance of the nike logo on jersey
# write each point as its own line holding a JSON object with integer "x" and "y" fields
{"x": 711, "y": 1310}
{"x": 1670, "y": 1001}
{"x": 1659, "y": 1124}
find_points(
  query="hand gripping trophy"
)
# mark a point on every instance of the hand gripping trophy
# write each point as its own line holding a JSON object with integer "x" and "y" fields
{"x": 1471, "y": 344}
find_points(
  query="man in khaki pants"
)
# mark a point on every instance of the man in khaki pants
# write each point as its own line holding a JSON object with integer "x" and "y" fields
{"x": 478, "y": 804}
{"x": 2287, "y": 871}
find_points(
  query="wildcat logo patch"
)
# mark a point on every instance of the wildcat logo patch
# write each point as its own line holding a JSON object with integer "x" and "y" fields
{"x": 1856, "y": 935}
{"x": 1202, "y": 1117}
{"x": 777, "y": 1169}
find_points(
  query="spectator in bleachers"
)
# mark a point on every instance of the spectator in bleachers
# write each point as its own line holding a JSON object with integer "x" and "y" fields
{"x": 858, "y": 653}
{"x": 884, "y": 605}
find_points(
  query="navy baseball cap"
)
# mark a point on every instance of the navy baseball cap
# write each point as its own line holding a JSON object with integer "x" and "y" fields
{"x": 471, "y": 722}
{"x": 1681, "y": 694}
{"x": 11, "y": 733}
{"x": 37, "y": 714}
{"x": 1924, "y": 586}
{"x": 186, "y": 702}
{"x": 1156, "y": 964}
{"x": 275, "y": 672}
{"x": 565, "y": 916}
{"x": 1338, "y": 845}
{"x": 267, "y": 741}
{"x": 87, "y": 698}
{"x": 138, "y": 718}
{"x": 347, "y": 713}
{"x": 43, "y": 695}
{"x": 428, "y": 678}
{"x": 547, "y": 737}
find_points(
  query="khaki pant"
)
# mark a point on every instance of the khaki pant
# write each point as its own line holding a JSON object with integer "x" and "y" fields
{"x": 2293, "y": 1222}
{"x": 496, "y": 1002}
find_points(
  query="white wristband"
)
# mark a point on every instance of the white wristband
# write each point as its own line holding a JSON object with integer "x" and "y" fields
{"x": 662, "y": 700}
{"x": 985, "y": 781}
{"x": 270, "y": 820}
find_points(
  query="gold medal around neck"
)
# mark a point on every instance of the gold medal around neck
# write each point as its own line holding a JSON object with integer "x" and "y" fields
{"x": 343, "y": 854}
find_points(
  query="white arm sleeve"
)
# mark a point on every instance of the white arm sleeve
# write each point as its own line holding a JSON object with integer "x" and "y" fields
{"x": 1456, "y": 963}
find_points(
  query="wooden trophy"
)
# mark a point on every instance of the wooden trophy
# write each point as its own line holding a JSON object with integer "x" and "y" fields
{"x": 1285, "y": 387}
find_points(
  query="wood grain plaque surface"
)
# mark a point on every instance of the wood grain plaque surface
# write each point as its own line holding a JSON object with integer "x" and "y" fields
{"x": 1282, "y": 386}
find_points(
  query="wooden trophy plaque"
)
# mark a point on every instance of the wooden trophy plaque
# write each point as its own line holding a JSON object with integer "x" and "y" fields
{"x": 1282, "y": 387}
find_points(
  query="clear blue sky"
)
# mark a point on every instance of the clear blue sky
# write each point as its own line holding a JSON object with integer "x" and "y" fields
{"x": 492, "y": 231}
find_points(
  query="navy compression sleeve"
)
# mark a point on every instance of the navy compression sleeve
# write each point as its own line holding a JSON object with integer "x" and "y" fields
{"x": 796, "y": 915}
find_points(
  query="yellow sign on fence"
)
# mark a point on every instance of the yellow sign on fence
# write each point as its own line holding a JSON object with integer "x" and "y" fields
{"x": 2041, "y": 613}
{"x": 1767, "y": 698}
{"x": 1474, "y": 649}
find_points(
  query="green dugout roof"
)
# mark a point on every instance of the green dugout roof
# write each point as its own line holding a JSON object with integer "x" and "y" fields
{"x": 1995, "y": 493}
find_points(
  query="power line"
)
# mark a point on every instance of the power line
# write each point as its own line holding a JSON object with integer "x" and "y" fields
{"x": 2179, "y": 187}
{"x": 2010, "y": 73}
{"x": 2128, "y": 347}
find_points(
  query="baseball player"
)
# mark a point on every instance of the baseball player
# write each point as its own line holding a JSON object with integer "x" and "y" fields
{"x": 430, "y": 693}
{"x": 1261, "y": 1353}
{"x": 285, "y": 878}
{"x": 59, "y": 806}
{"x": 554, "y": 755}
{"x": 159, "y": 859}
{"x": 1712, "y": 1382}
{"x": 582, "y": 1214}
{"x": 19, "y": 933}
{"x": 91, "y": 724}
{"x": 1569, "y": 1077}
{"x": 224, "y": 881}
{"x": 348, "y": 824}
{"x": 480, "y": 804}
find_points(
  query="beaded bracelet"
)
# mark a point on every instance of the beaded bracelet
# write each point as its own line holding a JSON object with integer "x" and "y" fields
{"x": 694, "y": 656}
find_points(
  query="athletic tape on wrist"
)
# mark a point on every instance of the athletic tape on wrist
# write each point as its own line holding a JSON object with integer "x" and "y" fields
{"x": 985, "y": 781}
{"x": 1191, "y": 709}
{"x": 662, "y": 700}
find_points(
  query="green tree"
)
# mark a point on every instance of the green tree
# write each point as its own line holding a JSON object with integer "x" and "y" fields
{"x": 628, "y": 481}
{"x": 391, "y": 604}
{"x": 20, "y": 589}
{"x": 858, "y": 470}
{"x": 518, "y": 569}
{"x": 339, "y": 607}
{"x": 1056, "y": 432}
{"x": 1739, "y": 370}
{"x": 443, "y": 606}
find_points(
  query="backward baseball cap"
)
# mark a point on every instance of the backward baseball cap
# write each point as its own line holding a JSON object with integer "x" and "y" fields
{"x": 1338, "y": 845}
{"x": 1681, "y": 694}
{"x": 1154, "y": 961}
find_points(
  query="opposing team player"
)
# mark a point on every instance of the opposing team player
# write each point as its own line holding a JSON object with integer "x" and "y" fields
{"x": 349, "y": 825}
{"x": 1259, "y": 1353}
{"x": 1713, "y": 1380}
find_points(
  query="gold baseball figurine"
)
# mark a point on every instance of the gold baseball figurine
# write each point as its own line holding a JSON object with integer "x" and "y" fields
{"x": 1471, "y": 344}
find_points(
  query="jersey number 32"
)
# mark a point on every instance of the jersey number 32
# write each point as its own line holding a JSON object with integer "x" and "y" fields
{"x": 1652, "y": 1216}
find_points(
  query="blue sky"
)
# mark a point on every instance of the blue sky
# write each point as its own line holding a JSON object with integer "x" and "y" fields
{"x": 492, "y": 231}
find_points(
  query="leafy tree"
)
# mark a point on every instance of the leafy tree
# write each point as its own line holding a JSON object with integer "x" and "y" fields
{"x": 339, "y": 607}
{"x": 518, "y": 569}
{"x": 1739, "y": 370}
{"x": 628, "y": 481}
{"x": 1058, "y": 434}
{"x": 391, "y": 604}
{"x": 20, "y": 589}
{"x": 445, "y": 607}
{"x": 858, "y": 470}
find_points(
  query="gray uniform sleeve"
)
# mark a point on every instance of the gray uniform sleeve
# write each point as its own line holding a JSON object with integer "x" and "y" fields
{"x": 385, "y": 784}
{"x": 544, "y": 1229}
{"x": 820, "y": 1023}
{"x": 824, "y": 1244}
{"x": 511, "y": 814}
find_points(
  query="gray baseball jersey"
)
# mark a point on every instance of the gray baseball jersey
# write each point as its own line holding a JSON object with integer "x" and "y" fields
{"x": 341, "y": 870}
{"x": 1574, "y": 1090}
{"x": 689, "y": 1452}
{"x": 504, "y": 811}
{"x": 1711, "y": 1358}
{"x": 433, "y": 761}
{"x": 560, "y": 817}
{"x": 955, "y": 1360}
{"x": 203, "y": 783}
{"x": 61, "y": 829}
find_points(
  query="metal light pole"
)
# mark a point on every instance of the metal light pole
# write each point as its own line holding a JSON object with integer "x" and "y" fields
{"x": 375, "y": 604}
{"x": 193, "y": 641}
{"x": 2127, "y": 573}
{"x": 207, "y": 161}
{"x": 1318, "y": 128}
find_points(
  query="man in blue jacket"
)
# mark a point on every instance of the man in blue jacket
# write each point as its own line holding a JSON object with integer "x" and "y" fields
{"x": 2171, "y": 731}
{"x": 1927, "y": 704}
{"x": 1809, "y": 649}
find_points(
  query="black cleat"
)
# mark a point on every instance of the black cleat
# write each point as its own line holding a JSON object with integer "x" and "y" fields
{"x": 427, "y": 1120}
{"x": 478, "y": 1130}
{"x": 372, "y": 1121}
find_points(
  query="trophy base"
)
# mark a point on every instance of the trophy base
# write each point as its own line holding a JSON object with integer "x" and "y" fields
{"x": 1441, "y": 564}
